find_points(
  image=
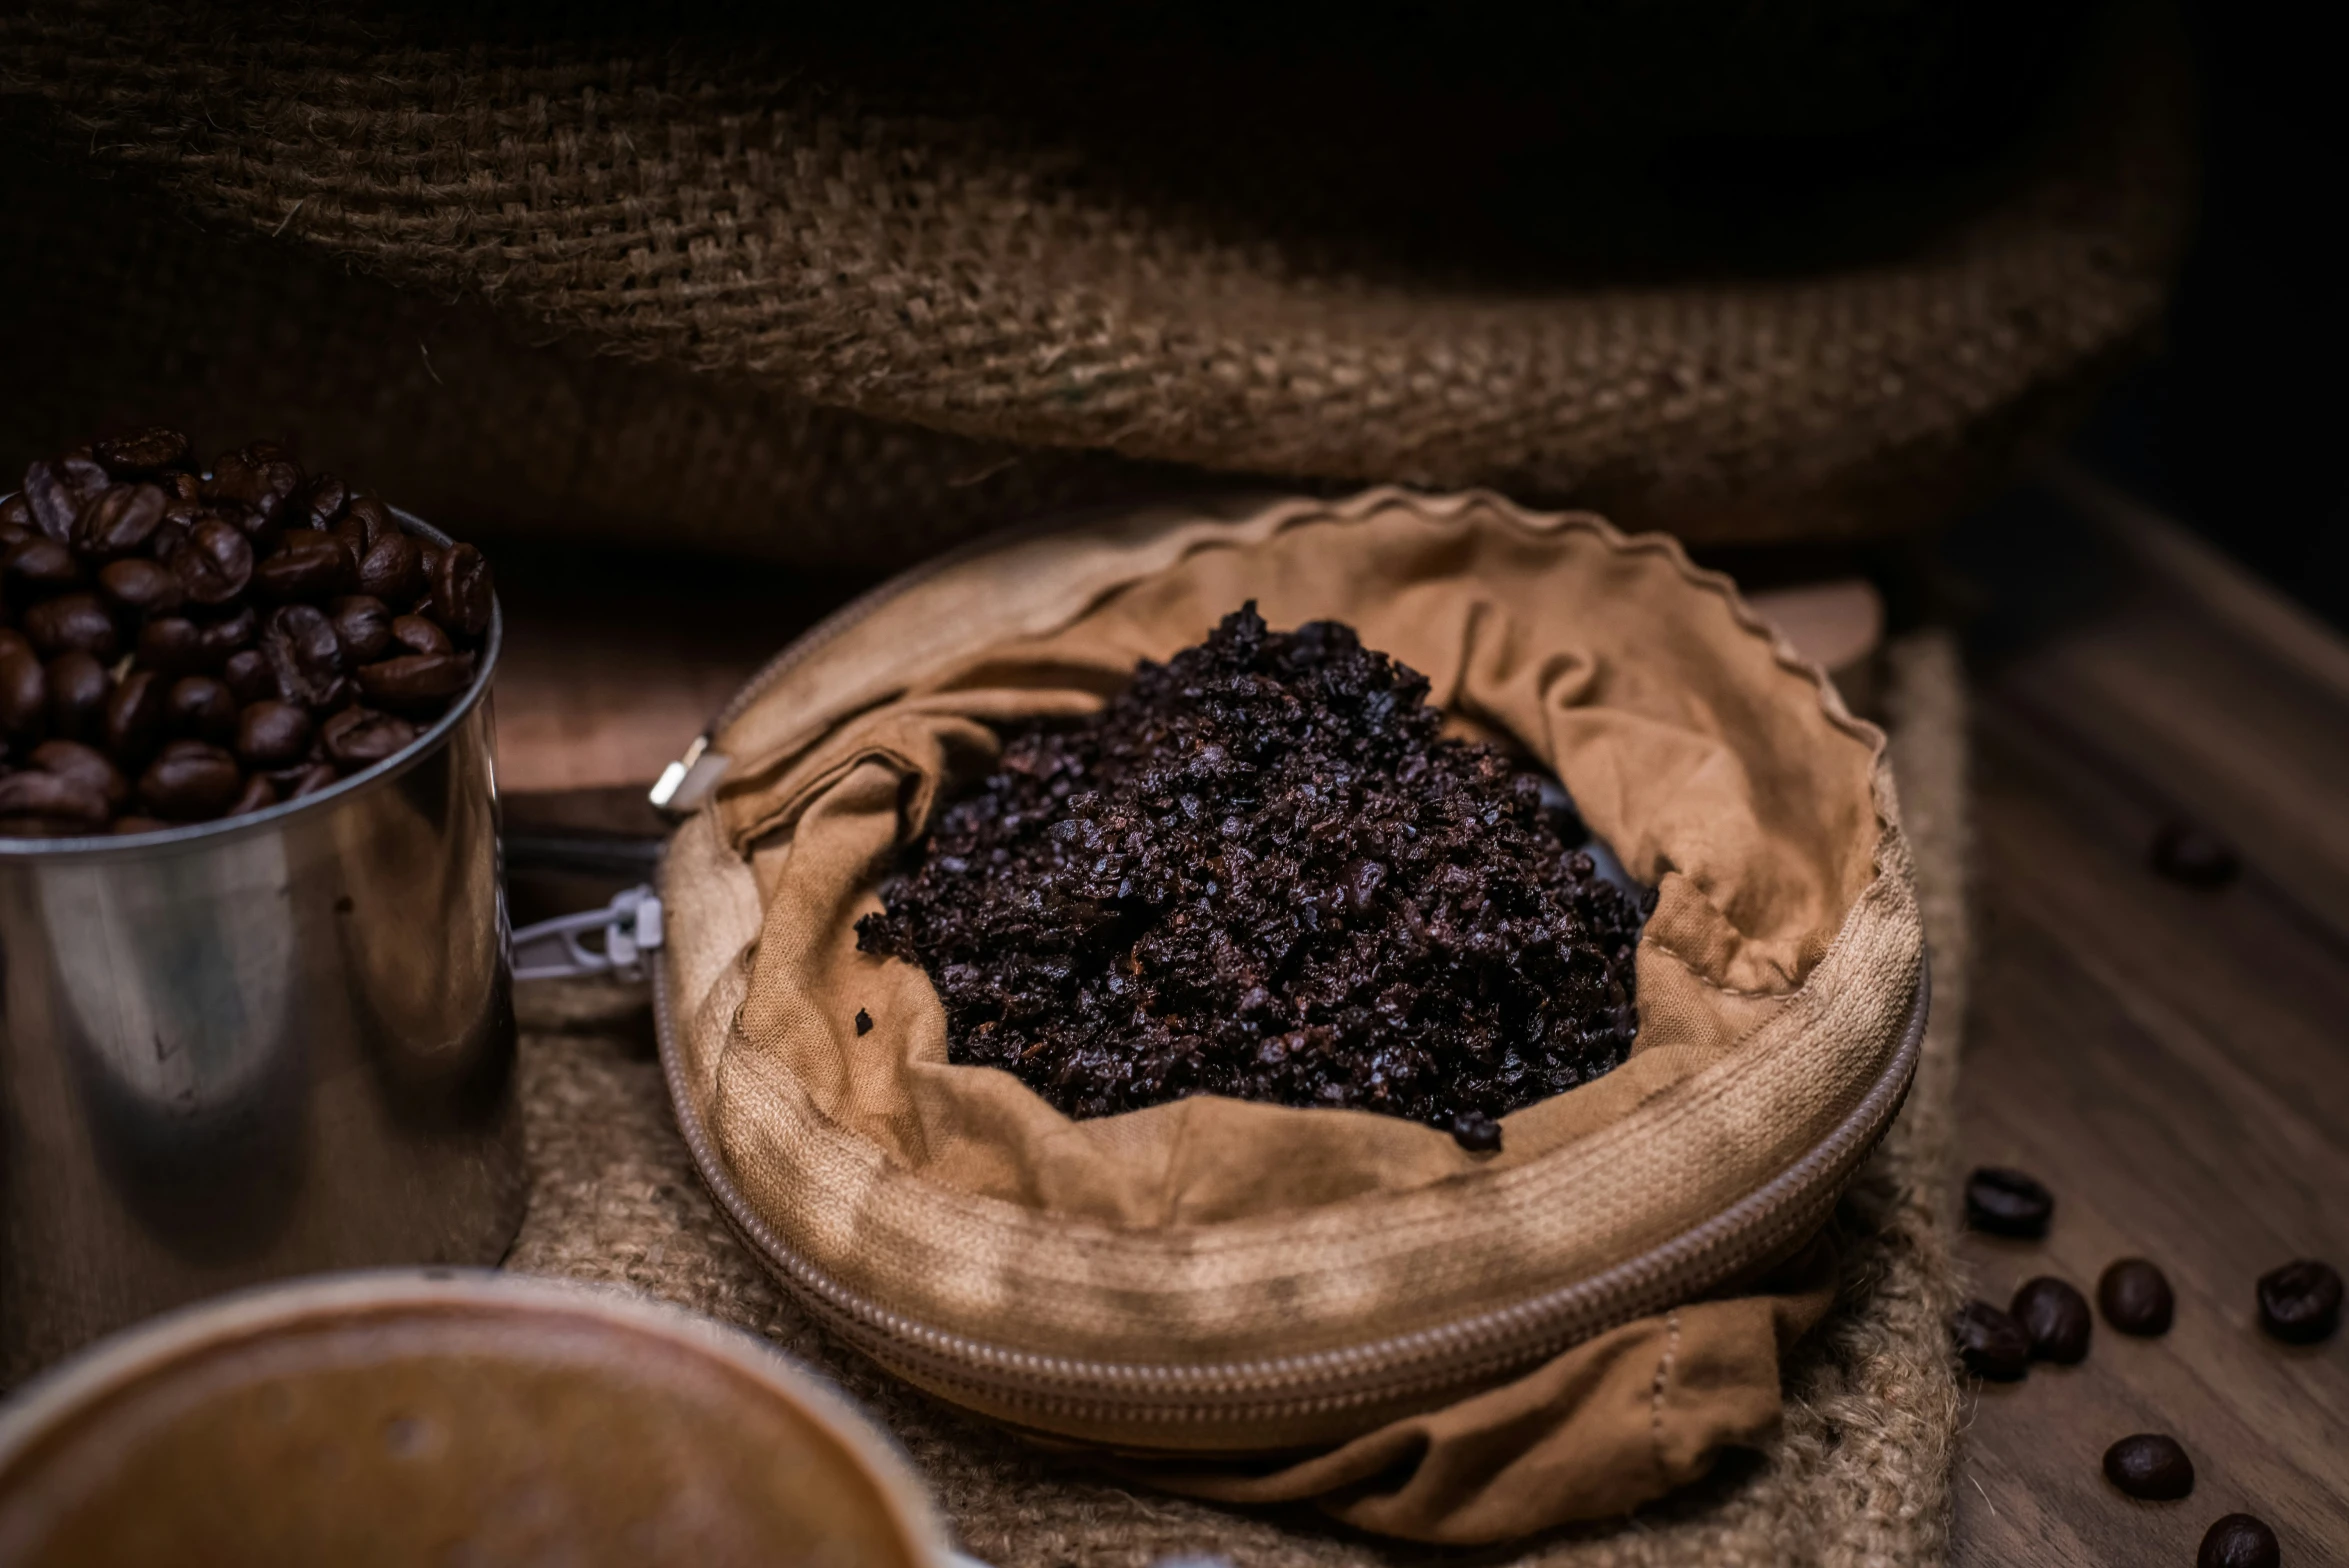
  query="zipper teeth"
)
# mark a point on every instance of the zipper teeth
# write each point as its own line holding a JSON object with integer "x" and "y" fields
{"x": 1461, "y": 1352}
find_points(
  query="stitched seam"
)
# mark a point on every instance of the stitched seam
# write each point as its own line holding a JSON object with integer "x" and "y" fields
{"x": 1656, "y": 1393}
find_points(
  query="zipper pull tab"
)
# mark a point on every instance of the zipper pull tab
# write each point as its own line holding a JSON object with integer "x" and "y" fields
{"x": 687, "y": 782}
{"x": 631, "y": 925}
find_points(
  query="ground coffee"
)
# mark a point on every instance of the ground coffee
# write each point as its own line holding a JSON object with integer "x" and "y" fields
{"x": 1263, "y": 872}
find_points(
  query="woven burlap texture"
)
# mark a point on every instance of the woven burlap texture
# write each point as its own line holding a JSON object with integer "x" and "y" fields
{"x": 1860, "y": 1475}
{"x": 721, "y": 207}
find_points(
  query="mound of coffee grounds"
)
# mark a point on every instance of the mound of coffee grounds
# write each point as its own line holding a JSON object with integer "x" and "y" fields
{"x": 1261, "y": 872}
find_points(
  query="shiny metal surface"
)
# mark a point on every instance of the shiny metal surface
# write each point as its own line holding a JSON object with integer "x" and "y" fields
{"x": 267, "y": 1046}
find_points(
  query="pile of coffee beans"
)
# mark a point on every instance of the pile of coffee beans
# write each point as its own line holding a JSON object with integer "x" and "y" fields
{"x": 2049, "y": 1320}
{"x": 180, "y": 644}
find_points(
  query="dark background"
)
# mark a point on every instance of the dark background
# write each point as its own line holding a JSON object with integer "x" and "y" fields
{"x": 2237, "y": 428}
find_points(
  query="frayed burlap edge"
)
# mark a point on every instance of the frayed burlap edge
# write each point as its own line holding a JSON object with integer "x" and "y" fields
{"x": 1860, "y": 1474}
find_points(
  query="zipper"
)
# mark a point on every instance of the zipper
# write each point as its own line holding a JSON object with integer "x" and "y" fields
{"x": 1413, "y": 1370}
{"x": 1398, "y": 1372}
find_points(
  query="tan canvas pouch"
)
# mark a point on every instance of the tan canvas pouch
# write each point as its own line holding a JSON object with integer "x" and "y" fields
{"x": 1261, "y": 1303}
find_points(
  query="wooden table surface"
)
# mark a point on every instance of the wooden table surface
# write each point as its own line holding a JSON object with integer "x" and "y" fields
{"x": 2173, "y": 1062}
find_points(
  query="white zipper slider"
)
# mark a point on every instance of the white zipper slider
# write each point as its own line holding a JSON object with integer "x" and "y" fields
{"x": 631, "y": 927}
{"x": 687, "y": 782}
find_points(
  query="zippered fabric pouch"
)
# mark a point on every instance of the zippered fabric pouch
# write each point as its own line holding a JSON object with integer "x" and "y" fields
{"x": 1262, "y": 1303}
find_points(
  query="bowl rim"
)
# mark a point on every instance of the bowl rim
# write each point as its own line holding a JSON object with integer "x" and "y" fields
{"x": 111, "y": 846}
{"x": 153, "y": 1349}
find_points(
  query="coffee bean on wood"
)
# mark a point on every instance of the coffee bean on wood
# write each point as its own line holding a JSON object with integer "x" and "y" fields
{"x": 2007, "y": 1202}
{"x": 2239, "y": 1541}
{"x": 177, "y": 645}
{"x": 2136, "y": 1297}
{"x": 1990, "y": 1342}
{"x": 2151, "y": 1466}
{"x": 2300, "y": 1303}
{"x": 2055, "y": 1318}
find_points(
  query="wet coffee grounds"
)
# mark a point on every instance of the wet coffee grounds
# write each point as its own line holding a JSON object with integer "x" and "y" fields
{"x": 1262, "y": 872}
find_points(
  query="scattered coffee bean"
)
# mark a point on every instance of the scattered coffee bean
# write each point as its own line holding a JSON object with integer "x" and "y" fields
{"x": 2007, "y": 1202}
{"x": 78, "y": 689}
{"x": 1476, "y": 1132}
{"x": 2300, "y": 1303}
{"x": 2136, "y": 1297}
{"x": 141, "y": 453}
{"x": 189, "y": 781}
{"x": 2189, "y": 853}
{"x": 360, "y": 738}
{"x": 249, "y": 598}
{"x": 2055, "y": 1318}
{"x": 1990, "y": 1343}
{"x": 864, "y": 1022}
{"x": 2239, "y": 1541}
{"x": 2150, "y": 1466}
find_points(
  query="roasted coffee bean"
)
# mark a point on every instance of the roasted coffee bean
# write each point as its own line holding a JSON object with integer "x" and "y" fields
{"x": 419, "y": 679}
{"x": 305, "y": 656}
{"x": 2055, "y": 1318}
{"x": 2300, "y": 1303}
{"x": 56, "y": 491}
{"x": 78, "y": 689}
{"x": 190, "y": 781}
{"x": 73, "y": 760}
{"x": 2007, "y": 1202}
{"x": 1990, "y": 1343}
{"x": 16, "y": 518}
{"x": 360, "y": 738}
{"x": 183, "y": 486}
{"x": 323, "y": 502}
{"x": 120, "y": 519}
{"x": 351, "y": 534}
{"x": 134, "y": 717}
{"x": 41, "y": 565}
{"x": 249, "y": 676}
{"x": 142, "y": 586}
{"x": 137, "y": 824}
{"x": 54, "y": 800}
{"x": 141, "y": 453}
{"x": 257, "y": 481}
{"x": 218, "y": 641}
{"x": 392, "y": 570}
{"x": 169, "y": 644}
{"x": 363, "y": 625}
{"x": 2136, "y": 1297}
{"x": 2190, "y": 853}
{"x": 215, "y": 564}
{"x": 307, "y": 566}
{"x": 72, "y": 623}
{"x": 418, "y": 635}
{"x": 203, "y": 707}
{"x": 274, "y": 734}
{"x": 375, "y": 521}
{"x": 864, "y": 1023}
{"x": 461, "y": 592}
{"x": 308, "y": 779}
{"x": 24, "y": 695}
{"x": 2239, "y": 1541}
{"x": 2150, "y": 1466}
{"x": 259, "y": 795}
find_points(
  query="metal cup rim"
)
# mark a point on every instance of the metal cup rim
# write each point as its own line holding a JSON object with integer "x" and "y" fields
{"x": 103, "y": 846}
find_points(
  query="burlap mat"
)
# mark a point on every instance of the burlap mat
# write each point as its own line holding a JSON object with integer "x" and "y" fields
{"x": 876, "y": 274}
{"x": 1860, "y": 1474}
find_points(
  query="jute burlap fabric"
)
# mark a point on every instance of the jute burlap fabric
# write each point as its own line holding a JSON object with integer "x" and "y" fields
{"x": 897, "y": 280}
{"x": 1859, "y": 1474}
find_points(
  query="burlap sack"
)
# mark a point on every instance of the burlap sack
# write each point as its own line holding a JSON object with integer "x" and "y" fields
{"x": 1776, "y": 976}
{"x": 869, "y": 303}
